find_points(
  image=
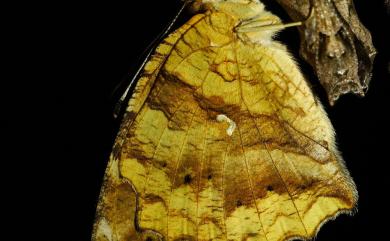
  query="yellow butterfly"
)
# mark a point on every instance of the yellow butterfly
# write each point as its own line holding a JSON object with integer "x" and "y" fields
{"x": 223, "y": 139}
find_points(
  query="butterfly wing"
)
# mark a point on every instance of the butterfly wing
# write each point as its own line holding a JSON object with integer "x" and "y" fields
{"x": 177, "y": 173}
{"x": 116, "y": 212}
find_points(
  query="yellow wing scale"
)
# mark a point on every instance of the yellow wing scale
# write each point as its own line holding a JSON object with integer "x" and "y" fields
{"x": 278, "y": 175}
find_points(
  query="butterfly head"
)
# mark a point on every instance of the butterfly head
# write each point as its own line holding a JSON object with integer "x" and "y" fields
{"x": 253, "y": 22}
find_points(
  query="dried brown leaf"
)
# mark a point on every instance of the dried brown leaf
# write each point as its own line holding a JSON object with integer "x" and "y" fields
{"x": 335, "y": 43}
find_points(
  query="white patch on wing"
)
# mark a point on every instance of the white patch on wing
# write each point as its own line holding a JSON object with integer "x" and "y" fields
{"x": 104, "y": 229}
{"x": 232, "y": 124}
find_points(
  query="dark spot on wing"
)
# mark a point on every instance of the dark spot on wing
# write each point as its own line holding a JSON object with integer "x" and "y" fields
{"x": 187, "y": 179}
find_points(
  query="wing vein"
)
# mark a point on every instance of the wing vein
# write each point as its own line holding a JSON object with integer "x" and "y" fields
{"x": 185, "y": 139}
{"x": 156, "y": 72}
{"x": 199, "y": 179}
{"x": 223, "y": 190}
{"x": 250, "y": 182}
{"x": 277, "y": 101}
{"x": 155, "y": 152}
{"x": 265, "y": 144}
{"x": 242, "y": 146}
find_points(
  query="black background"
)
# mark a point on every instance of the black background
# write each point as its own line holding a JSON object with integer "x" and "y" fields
{"x": 59, "y": 127}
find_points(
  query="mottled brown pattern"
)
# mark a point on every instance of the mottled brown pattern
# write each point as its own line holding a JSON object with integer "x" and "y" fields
{"x": 119, "y": 210}
{"x": 177, "y": 173}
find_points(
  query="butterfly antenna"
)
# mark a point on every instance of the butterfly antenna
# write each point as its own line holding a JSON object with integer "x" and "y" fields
{"x": 147, "y": 53}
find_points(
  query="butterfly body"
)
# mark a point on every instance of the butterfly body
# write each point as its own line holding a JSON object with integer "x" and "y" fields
{"x": 222, "y": 140}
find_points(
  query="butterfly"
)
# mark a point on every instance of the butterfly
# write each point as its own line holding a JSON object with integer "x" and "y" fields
{"x": 222, "y": 139}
